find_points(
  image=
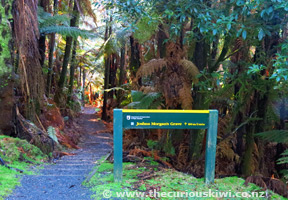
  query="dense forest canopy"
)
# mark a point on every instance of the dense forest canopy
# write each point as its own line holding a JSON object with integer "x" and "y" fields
{"x": 229, "y": 55}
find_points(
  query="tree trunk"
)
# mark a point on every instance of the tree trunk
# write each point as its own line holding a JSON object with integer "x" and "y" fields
{"x": 112, "y": 78}
{"x": 42, "y": 49}
{"x": 6, "y": 69}
{"x": 72, "y": 71}
{"x": 83, "y": 84}
{"x": 161, "y": 46}
{"x": 200, "y": 60}
{"x": 51, "y": 52}
{"x": 59, "y": 98}
{"x": 108, "y": 32}
{"x": 134, "y": 57}
{"x": 121, "y": 74}
{"x": 31, "y": 74}
{"x": 42, "y": 46}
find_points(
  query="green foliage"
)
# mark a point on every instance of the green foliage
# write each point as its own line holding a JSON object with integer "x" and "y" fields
{"x": 59, "y": 24}
{"x": 46, "y": 19}
{"x": 145, "y": 28}
{"x": 115, "y": 42}
{"x": 280, "y": 74}
{"x": 152, "y": 144}
{"x": 140, "y": 100}
{"x": 67, "y": 31}
{"x": 256, "y": 69}
{"x": 284, "y": 160}
{"x": 280, "y": 136}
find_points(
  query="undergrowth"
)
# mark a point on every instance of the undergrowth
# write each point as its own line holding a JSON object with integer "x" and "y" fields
{"x": 145, "y": 178}
{"x": 18, "y": 155}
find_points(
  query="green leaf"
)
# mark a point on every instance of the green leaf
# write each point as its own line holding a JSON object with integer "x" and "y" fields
{"x": 229, "y": 26}
{"x": 52, "y": 133}
{"x": 261, "y": 34}
{"x": 244, "y": 34}
{"x": 214, "y": 31}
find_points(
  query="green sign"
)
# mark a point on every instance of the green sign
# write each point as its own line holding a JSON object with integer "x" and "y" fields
{"x": 166, "y": 119}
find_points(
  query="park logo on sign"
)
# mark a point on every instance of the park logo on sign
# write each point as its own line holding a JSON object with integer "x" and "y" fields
{"x": 128, "y": 117}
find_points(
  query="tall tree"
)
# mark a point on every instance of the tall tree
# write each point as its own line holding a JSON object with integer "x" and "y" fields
{"x": 51, "y": 52}
{"x": 61, "y": 83}
{"x": 72, "y": 71}
{"x": 107, "y": 63}
{"x": 26, "y": 37}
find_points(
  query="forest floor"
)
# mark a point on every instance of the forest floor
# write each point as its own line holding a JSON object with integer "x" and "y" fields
{"x": 63, "y": 179}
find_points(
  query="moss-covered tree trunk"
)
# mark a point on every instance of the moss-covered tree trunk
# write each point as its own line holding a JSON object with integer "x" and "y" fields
{"x": 6, "y": 68}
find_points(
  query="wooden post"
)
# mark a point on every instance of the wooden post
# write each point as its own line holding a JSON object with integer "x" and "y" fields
{"x": 118, "y": 143}
{"x": 211, "y": 140}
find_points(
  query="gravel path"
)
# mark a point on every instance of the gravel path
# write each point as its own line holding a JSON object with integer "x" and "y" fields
{"x": 63, "y": 180}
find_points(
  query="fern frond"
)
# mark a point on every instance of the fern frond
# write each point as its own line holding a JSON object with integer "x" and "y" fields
{"x": 115, "y": 42}
{"x": 67, "y": 31}
{"x": 53, "y": 21}
{"x": 280, "y": 136}
{"x": 285, "y": 153}
{"x": 151, "y": 67}
{"x": 191, "y": 69}
{"x": 145, "y": 101}
{"x": 136, "y": 95}
{"x": 284, "y": 159}
{"x": 110, "y": 46}
{"x": 52, "y": 133}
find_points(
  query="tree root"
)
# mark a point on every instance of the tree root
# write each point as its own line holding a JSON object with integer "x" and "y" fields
{"x": 12, "y": 168}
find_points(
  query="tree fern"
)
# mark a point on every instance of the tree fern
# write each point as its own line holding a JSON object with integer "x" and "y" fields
{"x": 280, "y": 136}
{"x": 59, "y": 24}
{"x": 140, "y": 100}
{"x": 46, "y": 20}
{"x": 190, "y": 69}
{"x": 284, "y": 160}
{"x": 67, "y": 31}
{"x": 136, "y": 95}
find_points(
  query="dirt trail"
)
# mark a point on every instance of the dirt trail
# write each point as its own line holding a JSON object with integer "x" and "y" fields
{"x": 63, "y": 180}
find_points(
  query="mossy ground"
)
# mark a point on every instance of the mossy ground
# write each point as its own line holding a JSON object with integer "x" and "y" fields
{"x": 18, "y": 154}
{"x": 145, "y": 178}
